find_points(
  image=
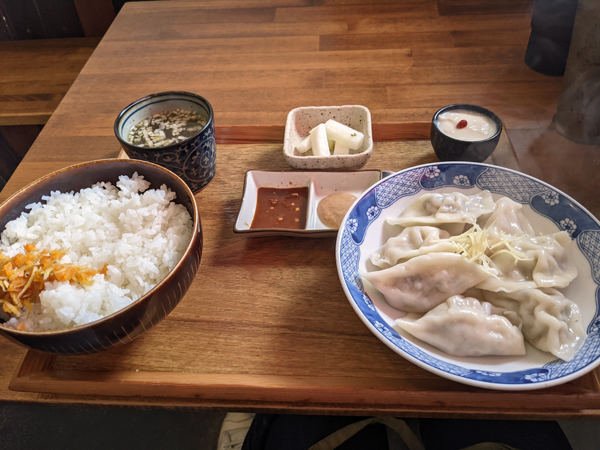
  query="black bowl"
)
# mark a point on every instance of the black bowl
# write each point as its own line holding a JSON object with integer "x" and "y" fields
{"x": 449, "y": 149}
{"x": 130, "y": 322}
{"x": 193, "y": 159}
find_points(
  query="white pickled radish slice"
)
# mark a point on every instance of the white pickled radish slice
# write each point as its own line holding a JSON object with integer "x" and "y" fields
{"x": 344, "y": 135}
{"x": 304, "y": 146}
{"x": 341, "y": 150}
{"x": 318, "y": 140}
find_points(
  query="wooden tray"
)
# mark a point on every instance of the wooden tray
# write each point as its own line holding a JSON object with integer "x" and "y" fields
{"x": 266, "y": 325}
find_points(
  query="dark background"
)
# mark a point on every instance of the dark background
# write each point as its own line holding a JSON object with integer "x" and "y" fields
{"x": 50, "y": 19}
{"x": 44, "y": 19}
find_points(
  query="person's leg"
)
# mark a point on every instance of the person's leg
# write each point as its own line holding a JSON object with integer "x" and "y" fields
{"x": 449, "y": 434}
{"x": 234, "y": 428}
{"x": 258, "y": 434}
{"x": 299, "y": 432}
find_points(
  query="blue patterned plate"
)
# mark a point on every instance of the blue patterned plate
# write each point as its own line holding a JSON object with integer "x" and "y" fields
{"x": 548, "y": 209}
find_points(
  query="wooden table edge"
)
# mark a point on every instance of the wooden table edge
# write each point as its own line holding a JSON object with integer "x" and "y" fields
{"x": 35, "y": 374}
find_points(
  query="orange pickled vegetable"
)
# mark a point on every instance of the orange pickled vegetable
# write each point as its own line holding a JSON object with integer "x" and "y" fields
{"x": 22, "y": 277}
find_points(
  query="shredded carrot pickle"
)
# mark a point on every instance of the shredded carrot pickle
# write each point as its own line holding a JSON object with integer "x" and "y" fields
{"x": 22, "y": 277}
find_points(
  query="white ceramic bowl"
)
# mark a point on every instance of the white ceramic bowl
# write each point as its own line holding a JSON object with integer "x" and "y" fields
{"x": 549, "y": 210}
{"x": 301, "y": 120}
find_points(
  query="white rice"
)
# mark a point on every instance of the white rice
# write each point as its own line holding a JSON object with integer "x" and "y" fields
{"x": 139, "y": 233}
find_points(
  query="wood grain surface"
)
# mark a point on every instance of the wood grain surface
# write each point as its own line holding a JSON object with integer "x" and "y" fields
{"x": 35, "y": 76}
{"x": 266, "y": 325}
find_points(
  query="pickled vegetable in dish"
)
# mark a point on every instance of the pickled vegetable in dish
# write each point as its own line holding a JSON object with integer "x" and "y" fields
{"x": 322, "y": 136}
{"x": 281, "y": 208}
{"x": 23, "y": 277}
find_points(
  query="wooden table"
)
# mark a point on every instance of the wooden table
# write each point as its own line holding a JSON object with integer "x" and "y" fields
{"x": 266, "y": 325}
{"x": 36, "y": 74}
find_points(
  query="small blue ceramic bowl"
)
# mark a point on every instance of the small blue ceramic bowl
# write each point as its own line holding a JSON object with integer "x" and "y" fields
{"x": 193, "y": 159}
{"x": 449, "y": 149}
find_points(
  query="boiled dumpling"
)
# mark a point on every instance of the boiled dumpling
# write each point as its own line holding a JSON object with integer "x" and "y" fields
{"x": 548, "y": 320}
{"x": 466, "y": 327}
{"x": 411, "y": 242}
{"x": 507, "y": 220}
{"x": 424, "y": 282}
{"x": 446, "y": 208}
{"x": 549, "y": 264}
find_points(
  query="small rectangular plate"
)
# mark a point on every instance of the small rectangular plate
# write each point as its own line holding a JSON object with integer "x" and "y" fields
{"x": 320, "y": 185}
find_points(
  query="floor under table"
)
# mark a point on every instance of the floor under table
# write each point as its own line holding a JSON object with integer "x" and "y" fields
{"x": 49, "y": 427}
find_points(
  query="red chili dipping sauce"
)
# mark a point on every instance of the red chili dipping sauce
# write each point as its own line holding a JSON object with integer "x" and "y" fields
{"x": 281, "y": 208}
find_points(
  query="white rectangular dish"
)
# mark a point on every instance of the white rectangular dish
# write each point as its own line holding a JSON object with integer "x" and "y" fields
{"x": 320, "y": 185}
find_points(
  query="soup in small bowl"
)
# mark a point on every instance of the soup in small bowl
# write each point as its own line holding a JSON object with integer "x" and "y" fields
{"x": 175, "y": 130}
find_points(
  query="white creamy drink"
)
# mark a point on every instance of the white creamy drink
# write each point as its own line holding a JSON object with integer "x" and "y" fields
{"x": 466, "y": 125}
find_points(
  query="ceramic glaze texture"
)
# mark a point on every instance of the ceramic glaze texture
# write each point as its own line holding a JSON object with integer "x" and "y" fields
{"x": 130, "y": 322}
{"x": 548, "y": 210}
{"x": 301, "y": 120}
{"x": 194, "y": 159}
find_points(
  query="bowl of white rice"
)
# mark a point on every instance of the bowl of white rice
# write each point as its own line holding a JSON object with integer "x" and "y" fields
{"x": 93, "y": 255}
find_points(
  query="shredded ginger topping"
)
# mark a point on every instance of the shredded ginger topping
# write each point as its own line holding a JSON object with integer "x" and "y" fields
{"x": 476, "y": 246}
{"x": 22, "y": 277}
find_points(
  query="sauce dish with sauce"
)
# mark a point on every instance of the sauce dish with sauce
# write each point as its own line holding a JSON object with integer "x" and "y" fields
{"x": 294, "y": 198}
{"x": 464, "y": 132}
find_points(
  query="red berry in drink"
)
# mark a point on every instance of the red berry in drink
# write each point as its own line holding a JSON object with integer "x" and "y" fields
{"x": 461, "y": 124}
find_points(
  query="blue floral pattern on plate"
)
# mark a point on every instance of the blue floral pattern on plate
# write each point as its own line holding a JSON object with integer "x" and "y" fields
{"x": 543, "y": 199}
